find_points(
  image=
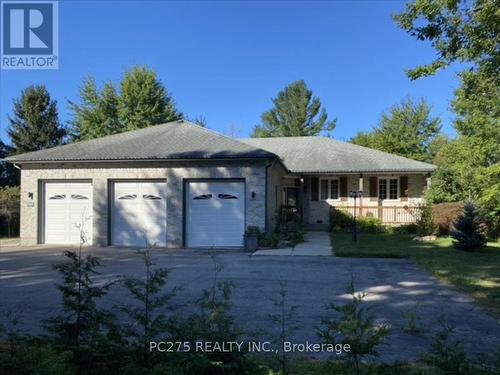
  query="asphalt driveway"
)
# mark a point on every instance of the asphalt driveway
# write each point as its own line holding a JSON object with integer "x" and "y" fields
{"x": 392, "y": 286}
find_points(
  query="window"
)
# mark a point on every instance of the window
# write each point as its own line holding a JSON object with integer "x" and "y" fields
{"x": 227, "y": 196}
{"x": 329, "y": 189}
{"x": 334, "y": 189}
{"x": 388, "y": 188}
{"x": 128, "y": 196}
{"x": 78, "y": 196}
{"x": 151, "y": 197}
{"x": 323, "y": 190}
{"x": 203, "y": 196}
{"x": 58, "y": 196}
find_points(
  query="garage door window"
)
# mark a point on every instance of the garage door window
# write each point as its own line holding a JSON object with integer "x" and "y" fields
{"x": 227, "y": 196}
{"x": 203, "y": 196}
{"x": 128, "y": 196}
{"x": 78, "y": 196}
{"x": 151, "y": 197}
{"x": 58, "y": 196}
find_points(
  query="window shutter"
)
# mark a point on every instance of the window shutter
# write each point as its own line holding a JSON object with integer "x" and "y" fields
{"x": 343, "y": 188}
{"x": 403, "y": 188}
{"x": 314, "y": 188}
{"x": 373, "y": 188}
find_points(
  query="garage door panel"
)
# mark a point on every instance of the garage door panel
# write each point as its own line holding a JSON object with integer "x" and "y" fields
{"x": 139, "y": 213}
{"x": 215, "y": 214}
{"x": 68, "y": 210}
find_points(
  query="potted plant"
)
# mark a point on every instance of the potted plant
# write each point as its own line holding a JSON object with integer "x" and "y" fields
{"x": 252, "y": 235}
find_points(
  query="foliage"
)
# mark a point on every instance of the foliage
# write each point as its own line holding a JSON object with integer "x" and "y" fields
{"x": 425, "y": 223}
{"x": 340, "y": 219}
{"x": 469, "y": 230}
{"x": 282, "y": 319}
{"x": 142, "y": 101}
{"x": 412, "y": 322}
{"x": 146, "y": 322}
{"x": 355, "y": 326}
{"x": 80, "y": 326}
{"x": 448, "y": 354}
{"x": 9, "y": 176}
{"x": 253, "y": 230}
{"x": 467, "y": 32}
{"x": 9, "y": 210}
{"x": 35, "y": 122}
{"x": 369, "y": 224}
{"x": 295, "y": 113}
{"x": 407, "y": 130}
{"x": 445, "y": 214}
{"x": 270, "y": 240}
{"x": 459, "y": 30}
{"x": 97, "y": 114}
{"x": 489, "y": 201}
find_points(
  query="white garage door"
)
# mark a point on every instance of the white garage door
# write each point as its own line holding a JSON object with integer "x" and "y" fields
{"x": 68, "y": 209}
{"x": 215, "y": 214}
{"x": 139, "y": 213}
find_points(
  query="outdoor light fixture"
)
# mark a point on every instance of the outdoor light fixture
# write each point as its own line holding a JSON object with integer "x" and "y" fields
{"x": 253, "y": 194}
{"x": 355, "y": 194}
{"x": 30, "y": 195}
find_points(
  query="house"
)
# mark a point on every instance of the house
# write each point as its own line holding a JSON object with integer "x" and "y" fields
{"x": 182, "y": 185}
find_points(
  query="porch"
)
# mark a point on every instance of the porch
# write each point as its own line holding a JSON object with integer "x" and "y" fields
{"x": 392, "y": 198}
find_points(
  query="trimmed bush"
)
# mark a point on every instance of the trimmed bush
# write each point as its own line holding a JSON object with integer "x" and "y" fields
{"x": 469, "y": 229}
{"x": 340, "y": 219}
{"x": 369, "y": 224}
{"x": 445, "y": 214}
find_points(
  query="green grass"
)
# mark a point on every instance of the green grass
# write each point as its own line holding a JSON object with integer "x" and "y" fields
{"x": 476, "y": 273}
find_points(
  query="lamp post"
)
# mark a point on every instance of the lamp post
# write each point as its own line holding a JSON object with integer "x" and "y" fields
{"x": 355, "y": 194}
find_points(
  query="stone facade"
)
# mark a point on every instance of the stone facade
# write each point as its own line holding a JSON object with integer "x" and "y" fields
{"x": 174, "y": 173}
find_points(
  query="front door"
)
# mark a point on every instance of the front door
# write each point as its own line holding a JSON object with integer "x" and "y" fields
{"x": 292, "y": 197}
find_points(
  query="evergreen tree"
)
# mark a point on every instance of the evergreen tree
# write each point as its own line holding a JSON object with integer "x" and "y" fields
{"x": 295, "y": 113}
{"x": 469, "y": 230}
{"x": 407, "y": 130}
{"x": 144, "y": 101}
{"x": 97, "y": 114}
{"x": 35, "y": 122}
{"x": 9, "y": 176}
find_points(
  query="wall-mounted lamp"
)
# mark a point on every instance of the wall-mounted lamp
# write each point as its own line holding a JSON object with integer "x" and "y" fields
{"x": 30, "y": 195}
{"x": 253, "y": 194}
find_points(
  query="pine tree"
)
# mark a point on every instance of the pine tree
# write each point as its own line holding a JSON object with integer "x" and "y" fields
{"x": 97, "y": 114}
{"x": 469, "y": 229}
{"x": 144, "y": 101}
{"x": 35, "y": 123}
{"x": 296, "y": 113}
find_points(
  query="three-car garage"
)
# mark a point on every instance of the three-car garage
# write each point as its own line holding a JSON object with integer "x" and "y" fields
{"x": 213, "y": 214}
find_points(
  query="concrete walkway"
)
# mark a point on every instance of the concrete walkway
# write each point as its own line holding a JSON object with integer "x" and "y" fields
{"x": 315, "y": 244}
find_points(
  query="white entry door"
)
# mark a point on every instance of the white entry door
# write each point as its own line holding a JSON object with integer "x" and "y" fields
{"x": 67, "y": 212}
{"x": 215, "y": 213}
{"x": 139, "y": 213}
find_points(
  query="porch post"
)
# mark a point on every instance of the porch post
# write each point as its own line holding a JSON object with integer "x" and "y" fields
{"x": 360, "y": 188}
{"x": 428, "y": 181}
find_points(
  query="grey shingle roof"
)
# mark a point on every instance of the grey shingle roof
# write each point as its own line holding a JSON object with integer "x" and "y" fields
{"x": 325, "y": 155}
{"x": 174, "y": 140}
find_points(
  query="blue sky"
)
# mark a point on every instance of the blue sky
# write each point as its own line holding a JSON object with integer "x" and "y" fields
{"x": 226, "y": 60}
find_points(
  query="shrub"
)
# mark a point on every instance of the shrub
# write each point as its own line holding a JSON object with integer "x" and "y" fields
{"x": 445, "y": 214}
{"x": 339, "y": 219}
{"x": 469, "y": 230}
{"x": 355, "y": 326}
{"x": 425, "y": 223}
{"x": 270, "y": 240}
{"x": 405, "y": 229}
{"x": 369, "y": 224}
{"x": 9, "y": 210}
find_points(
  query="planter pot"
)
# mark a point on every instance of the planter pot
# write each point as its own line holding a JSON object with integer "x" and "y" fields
{"x": 251, "y": 242}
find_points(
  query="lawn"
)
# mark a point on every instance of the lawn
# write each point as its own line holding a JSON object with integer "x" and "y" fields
{"x": 477, "y": 273}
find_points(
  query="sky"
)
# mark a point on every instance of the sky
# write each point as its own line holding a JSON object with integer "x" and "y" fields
{"x": 226, "y": 60}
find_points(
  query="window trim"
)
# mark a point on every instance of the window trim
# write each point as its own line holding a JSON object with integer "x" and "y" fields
{"x": 388, "y": 179}
{"x": 329, "y": 189}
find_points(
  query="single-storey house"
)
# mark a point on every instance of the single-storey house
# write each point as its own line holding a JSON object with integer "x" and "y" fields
{"x": 182, "y": 185}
